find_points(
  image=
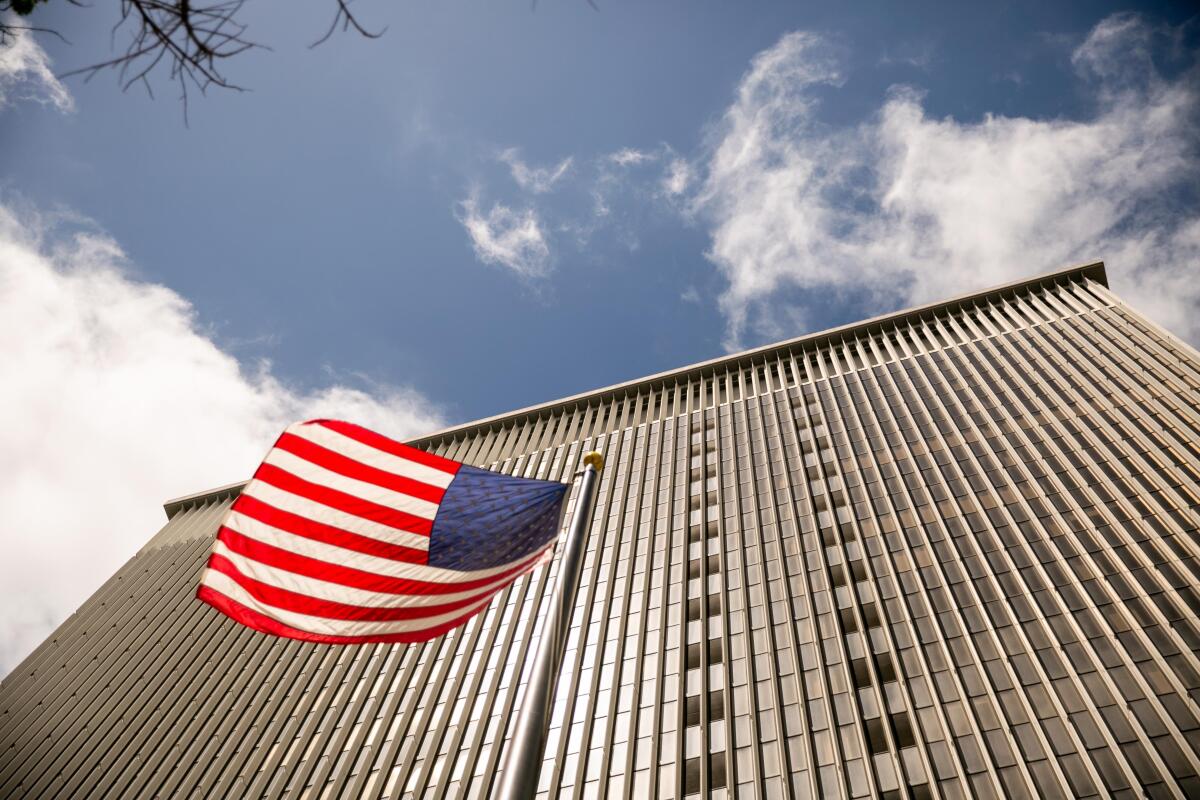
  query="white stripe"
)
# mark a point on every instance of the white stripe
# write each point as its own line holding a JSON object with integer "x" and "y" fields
{"x": 336, "y": 592}
{"x": 366, "y": 454}
{"x": 276, "y": 537}
{"x": 222, "y": 583}
{"x": 339, "y": 593}
{"x": 311, "y": 509}
{"x": 315, "y": 473}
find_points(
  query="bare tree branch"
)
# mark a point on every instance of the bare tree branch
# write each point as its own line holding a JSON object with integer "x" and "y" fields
{"x": 9, "y": 29}
{"x": 189, "y": 40}
{"x": 345, "y": 17}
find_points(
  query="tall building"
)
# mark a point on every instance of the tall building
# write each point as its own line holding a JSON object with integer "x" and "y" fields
{"x": 949, "y": 552}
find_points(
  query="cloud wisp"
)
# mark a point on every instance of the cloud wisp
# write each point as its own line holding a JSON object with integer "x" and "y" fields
{"x": 908, "y": 209}
{"x": 630, "y": 157}
{"x": 512, "y": 238}
{"x": 117, "y": 401}
{"x": 559, "y": 209}
{"x": 678, "y": 177}
{"x": 25, "y": 73}
{"x": 538, "y": 180}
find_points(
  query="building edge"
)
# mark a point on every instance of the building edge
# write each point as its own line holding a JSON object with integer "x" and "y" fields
{"x": 1094, "y": 271}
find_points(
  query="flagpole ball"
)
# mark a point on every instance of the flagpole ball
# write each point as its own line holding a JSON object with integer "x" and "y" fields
{"x": 594, "y": 459}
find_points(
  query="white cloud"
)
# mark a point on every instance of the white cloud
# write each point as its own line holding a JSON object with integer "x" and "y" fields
{"x": 908, "y": 209}
{"x": 678, "y": 177}
{"x": 115, "y": 401}
{"x": 25, "y": 72}
{"x": 538, "y": 180}
{"x": 919, "y": 55}
{"x": 628, "y": 157}
{"x": 614, "y": 194}
{"x": 512, "y": 238}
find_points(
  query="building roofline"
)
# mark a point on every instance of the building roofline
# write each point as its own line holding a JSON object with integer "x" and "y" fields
{"x": 1090, "y": 271}
{"x": 220, "y": 493}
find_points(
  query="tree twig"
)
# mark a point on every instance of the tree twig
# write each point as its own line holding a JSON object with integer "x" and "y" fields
{"x": 188, "y": 40}
{"x": 345, "y": 17}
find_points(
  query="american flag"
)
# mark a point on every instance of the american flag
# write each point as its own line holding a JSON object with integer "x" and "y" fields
{"x": 345, "y": 536}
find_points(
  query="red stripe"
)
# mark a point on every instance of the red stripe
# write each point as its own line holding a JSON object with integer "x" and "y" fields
{"x": 328, "y": 534}
{"x": 316, "y": 607}
{"x": 260, "y": 622}
{"x": 344, "y": 465}
{"x": 384, "y": 515}
{"x": 388, "y": 445}
{"x": 348, "y": 576}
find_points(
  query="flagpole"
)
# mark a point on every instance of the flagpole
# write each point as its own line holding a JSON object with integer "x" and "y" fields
{"x": 523, "y": 761}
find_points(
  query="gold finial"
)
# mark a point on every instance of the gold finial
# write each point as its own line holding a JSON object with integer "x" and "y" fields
{"x": 594, "y": 459}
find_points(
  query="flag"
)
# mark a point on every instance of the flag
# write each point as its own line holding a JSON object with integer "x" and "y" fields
{"x": 346, "y": 536}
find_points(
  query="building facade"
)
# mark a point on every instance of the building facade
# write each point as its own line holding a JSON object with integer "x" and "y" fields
{"x": 951, "y": 552}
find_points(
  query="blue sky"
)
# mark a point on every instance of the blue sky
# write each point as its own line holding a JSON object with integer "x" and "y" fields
{"x": 313, "y": 220}
{"x": 496, "y": 204}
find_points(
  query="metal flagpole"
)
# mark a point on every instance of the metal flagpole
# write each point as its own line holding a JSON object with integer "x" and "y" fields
{"x": 523, "y": 761}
